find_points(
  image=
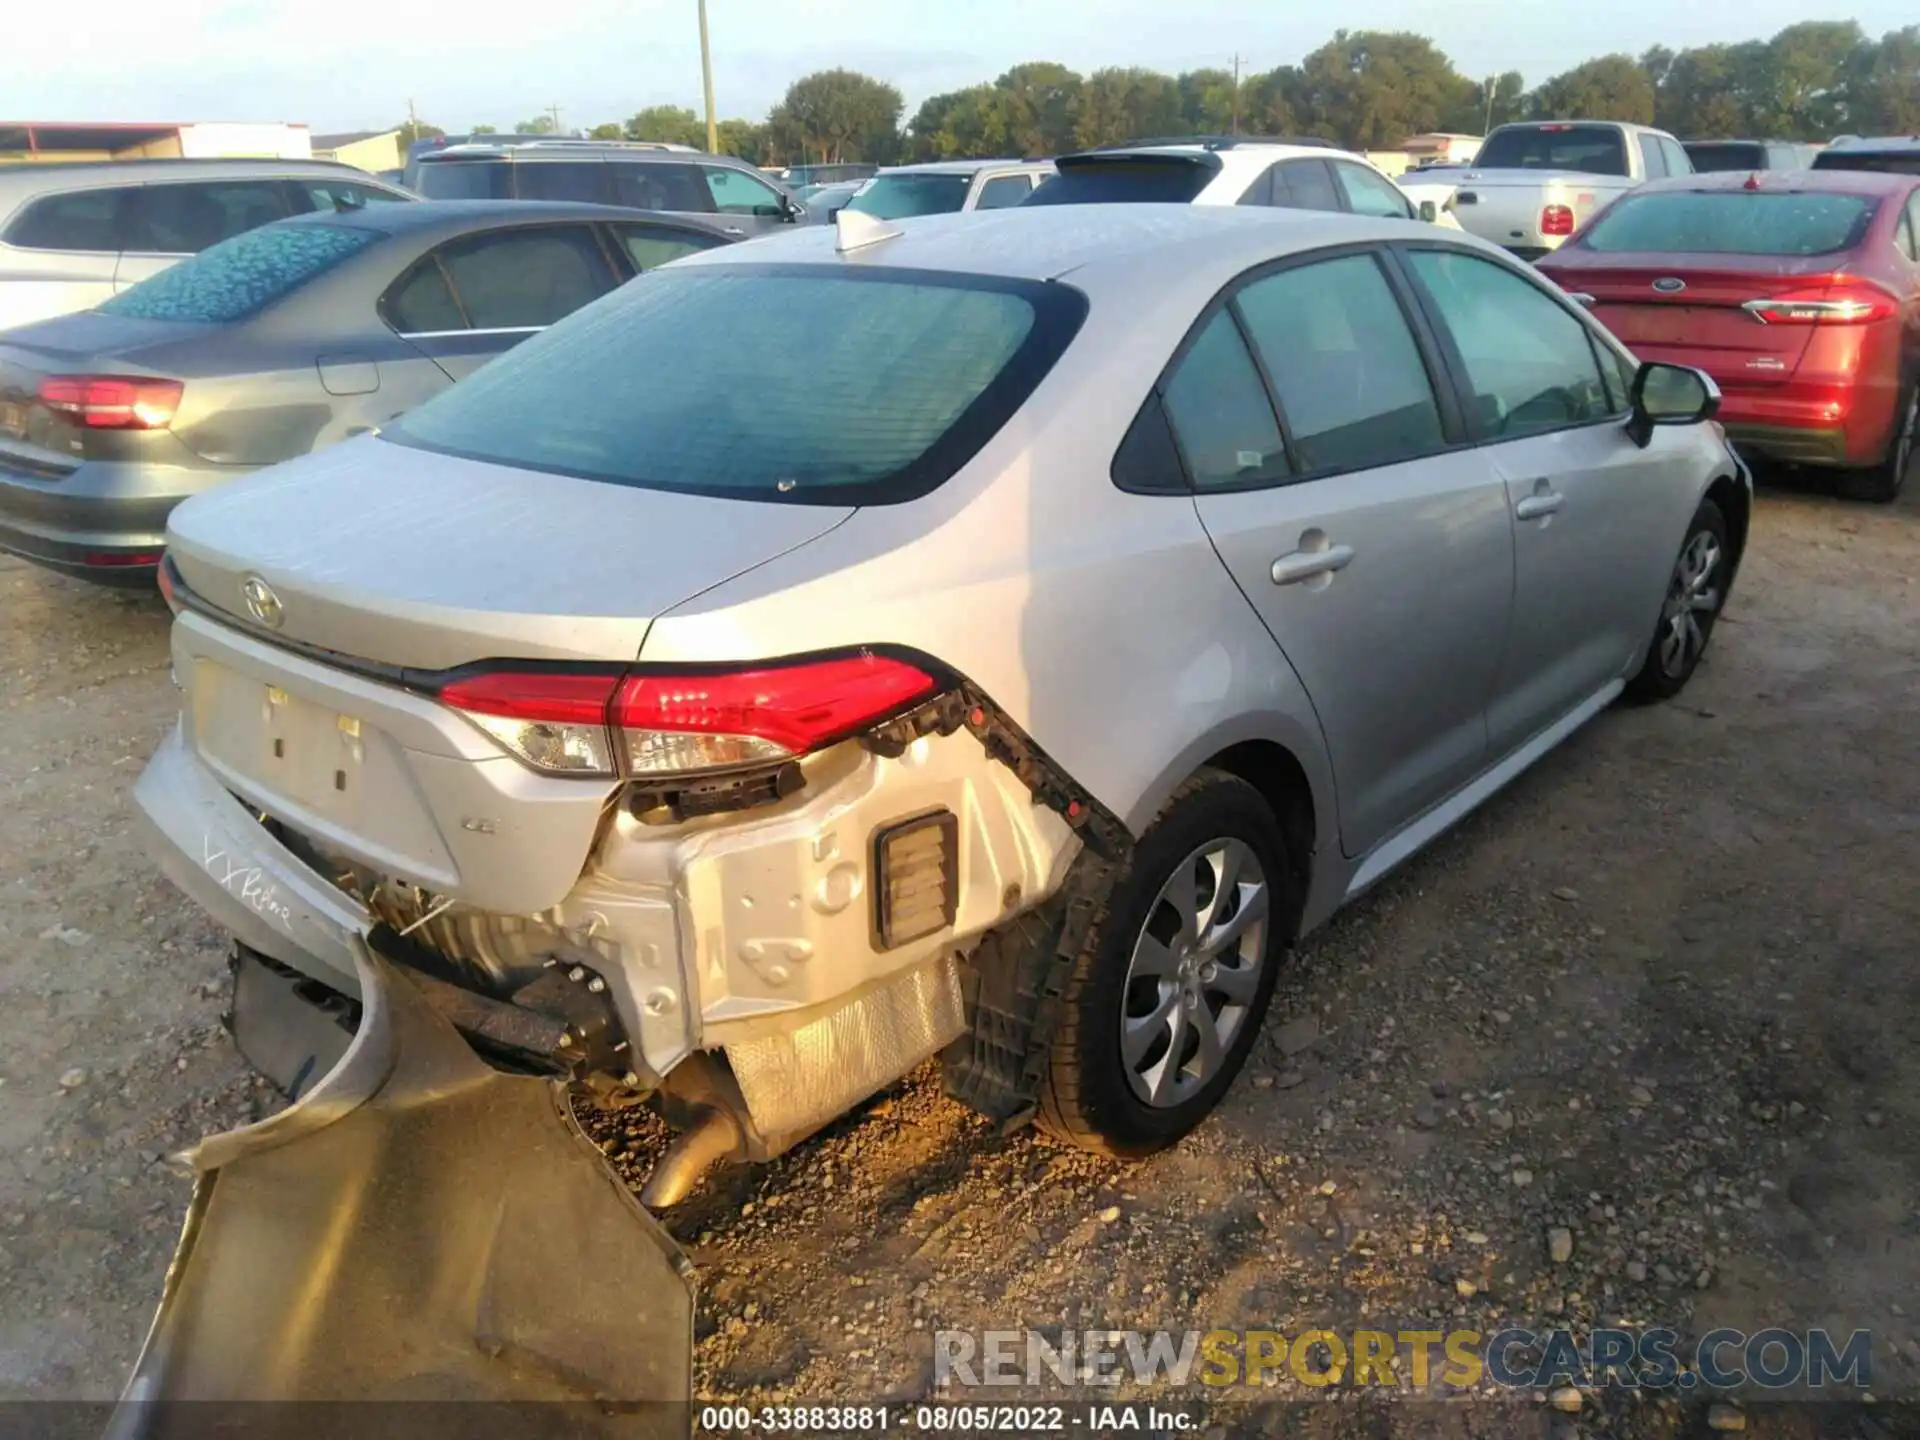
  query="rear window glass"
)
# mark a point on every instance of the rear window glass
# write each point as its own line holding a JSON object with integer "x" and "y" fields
{"x": 85, "y": 220}
{"x": 465, "y": 180}
{"x": 1595, "y": 149}
{"x": 798, "y": 383}
{"x": 1886, "y": 162}
{"x": 1731, "y": 156}
{"x": 1107, "y": 182}
{"x": 898, "y": 197}
{"x": 233, "y": 279}
{"x": 1733, "y": 222}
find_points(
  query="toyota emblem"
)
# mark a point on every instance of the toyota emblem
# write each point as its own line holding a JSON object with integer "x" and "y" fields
{"x": 1670, "y": 285}
{"x": 262, "y": 604}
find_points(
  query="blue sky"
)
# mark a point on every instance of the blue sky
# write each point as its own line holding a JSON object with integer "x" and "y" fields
{"x": 351, "y": 64}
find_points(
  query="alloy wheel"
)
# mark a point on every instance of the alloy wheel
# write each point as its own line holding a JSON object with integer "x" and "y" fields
{"x": 1195, "y": 972}
{"x": 1693, "y": 599}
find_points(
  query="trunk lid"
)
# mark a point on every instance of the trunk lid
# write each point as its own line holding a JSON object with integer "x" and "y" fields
{"x": 410, "y": 558}
{"x": 49, "y": 443}
{"x": 1701, "y": 323}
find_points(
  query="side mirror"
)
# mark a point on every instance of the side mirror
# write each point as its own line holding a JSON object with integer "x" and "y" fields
{"x": 1665, "y": 394}
{"x": 793, "y": 209}
{"x": 1429, "y": 212}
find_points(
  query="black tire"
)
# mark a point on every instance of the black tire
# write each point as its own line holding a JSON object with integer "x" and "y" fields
{"x": 1884, "y": 482}
{"x": 1087, "y": 1097}
{"x": 1661, "y": 675}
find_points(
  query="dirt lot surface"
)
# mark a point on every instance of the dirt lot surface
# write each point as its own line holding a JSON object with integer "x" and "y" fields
{"x": 1661, "y": 994}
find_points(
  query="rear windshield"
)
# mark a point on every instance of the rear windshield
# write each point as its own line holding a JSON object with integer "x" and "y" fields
{"x": 465, "y": 180}
{"x": 1886, "y": 162}
{"x": 1107, "y": 182}
{"x": 1732, "y": 222}
{"x": 237, "y": 277}
{"x": 807, "y": 384}
{"x": 897, "y": 197}
{"x": 1729, "y": 156}
{"x": 1595, "y": 149}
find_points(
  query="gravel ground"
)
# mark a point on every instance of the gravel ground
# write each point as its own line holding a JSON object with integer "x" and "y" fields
{"x": 1659, "y": 996}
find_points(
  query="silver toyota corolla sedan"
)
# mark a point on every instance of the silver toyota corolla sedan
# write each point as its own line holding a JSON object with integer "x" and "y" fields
{"x": 996, "y": 636}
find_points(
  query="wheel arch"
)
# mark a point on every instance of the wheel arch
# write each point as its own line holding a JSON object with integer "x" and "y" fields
{"x": 1736, "y": 503}
{"x": 1281, "y": 779}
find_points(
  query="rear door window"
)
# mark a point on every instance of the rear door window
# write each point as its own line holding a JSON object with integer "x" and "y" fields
{"x": 1221, "y": 414}
{"x": 1260, "y": 192}
{"x": 1002, "y": 192}
{"x": 1304, "y": 185}
{"x": 421, "y": 302}
{"x": 526, "y": 279}
{"x": 660, "y": 185}
{"x": 651, "y": 246}
{"x": 185, "y": 218}
{"x": 1352, "y": 385}
{"x": 1369, "y": 193}
{"x": 1677, "y": 161}
{"x": 86, "y": 220}
{"x": 1530, "y": 365}
{"x": 735, "y": 192}
{"x": 338, "y": 196}
{"x": 1652, "y": 158}
{"x": 580, "y": 180}
{"x": 1909, "y": 235}
{"x": 233, "y": 280}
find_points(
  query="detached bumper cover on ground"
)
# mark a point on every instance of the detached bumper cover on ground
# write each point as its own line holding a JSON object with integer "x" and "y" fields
{"x": 419, "y": 1227}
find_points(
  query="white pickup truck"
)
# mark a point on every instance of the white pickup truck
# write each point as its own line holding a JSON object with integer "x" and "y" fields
{"x": 1535, "y": 182}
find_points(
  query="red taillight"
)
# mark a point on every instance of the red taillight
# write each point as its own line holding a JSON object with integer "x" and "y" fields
{"x": 109, "y": 402}
{"x": 679, "y": 724}
{"x": 120, "y": 559}
{"x": 1847, "y": 302}
{"x": 167, "y": 592}
{"x": 1556, "y": 220}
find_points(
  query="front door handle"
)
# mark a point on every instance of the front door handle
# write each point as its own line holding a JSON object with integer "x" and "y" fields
{"x": 733, "y": 230}
{"x": 1304, "y": 564}
{"x": 1539, "y": 505}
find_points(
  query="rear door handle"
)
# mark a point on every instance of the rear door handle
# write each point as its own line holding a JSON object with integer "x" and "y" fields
{"x": 1539, "y": 505}
{"x": 1305, "y": 564}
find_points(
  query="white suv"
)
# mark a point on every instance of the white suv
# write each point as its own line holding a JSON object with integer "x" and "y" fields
{"x": 1233, "y": 170}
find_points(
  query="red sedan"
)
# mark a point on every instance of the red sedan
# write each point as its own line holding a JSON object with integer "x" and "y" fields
{"x": 1797, "y": 290}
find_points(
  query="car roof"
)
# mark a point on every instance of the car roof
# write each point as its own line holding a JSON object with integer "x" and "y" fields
{"x": 454, "y": 216}
{"x": 1895, "y": 144}
{"x": 536, "y": 151}
{"x": 61, "y": 174}
{"x": 1840, "y": 182}
{"x": 962, "y": 167}
{"x": 1183, "y": 242}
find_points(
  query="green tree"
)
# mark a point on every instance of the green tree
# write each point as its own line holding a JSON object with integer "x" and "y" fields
{"x": 843, "y": 115}
{"x": 540, "y": 125}
{"x": 1272, "y": 104}
{"x": 1207, "y": 102}
{"x": 1800, "y": 91}
{"x": 745, "y": 139}
{"x": 415, "y": 130}
{"x": 1040, "y": 102}
{"x": 1612, "y": 87}
{"x": 484, "y": 130}
{"x": 961, "y": 124}
{"x": 1371, "y": 89}
{"x": 1883, "y": 85}
{"x": 1702, "y": 95}
{"x": 669, "y": 124}
{"x": 607, "y": 130}
{"x": 1117, "y": 105}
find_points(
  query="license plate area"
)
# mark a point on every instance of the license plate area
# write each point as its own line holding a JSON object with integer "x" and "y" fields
{"x": 281, "y": 744}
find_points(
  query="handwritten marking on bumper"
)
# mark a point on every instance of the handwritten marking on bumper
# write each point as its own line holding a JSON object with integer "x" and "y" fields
{"x": 246, "y": 883}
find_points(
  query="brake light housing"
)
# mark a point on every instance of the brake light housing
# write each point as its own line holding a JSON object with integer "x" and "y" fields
{"x": 654, "y": 725}
{"x": 1556, "y": 220}
{"x": 113, "y": 402}
{"x": 1842, "y": 301}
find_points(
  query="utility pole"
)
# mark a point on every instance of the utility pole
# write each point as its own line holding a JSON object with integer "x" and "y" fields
{"x": 706, "y": 78}
{"x": 554, "y": 111}
{"x": 1487, "y": 128}
{"x": 413, "y": 124}
{"x": 1235, "y": 130}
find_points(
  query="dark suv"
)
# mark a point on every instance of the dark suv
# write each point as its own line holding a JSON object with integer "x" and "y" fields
{"x": 1711, "y": 155}
{"x": 667, "y": 179}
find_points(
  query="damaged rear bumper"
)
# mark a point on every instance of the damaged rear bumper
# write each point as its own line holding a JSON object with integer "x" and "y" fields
{"x": 421, "y": 1226}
